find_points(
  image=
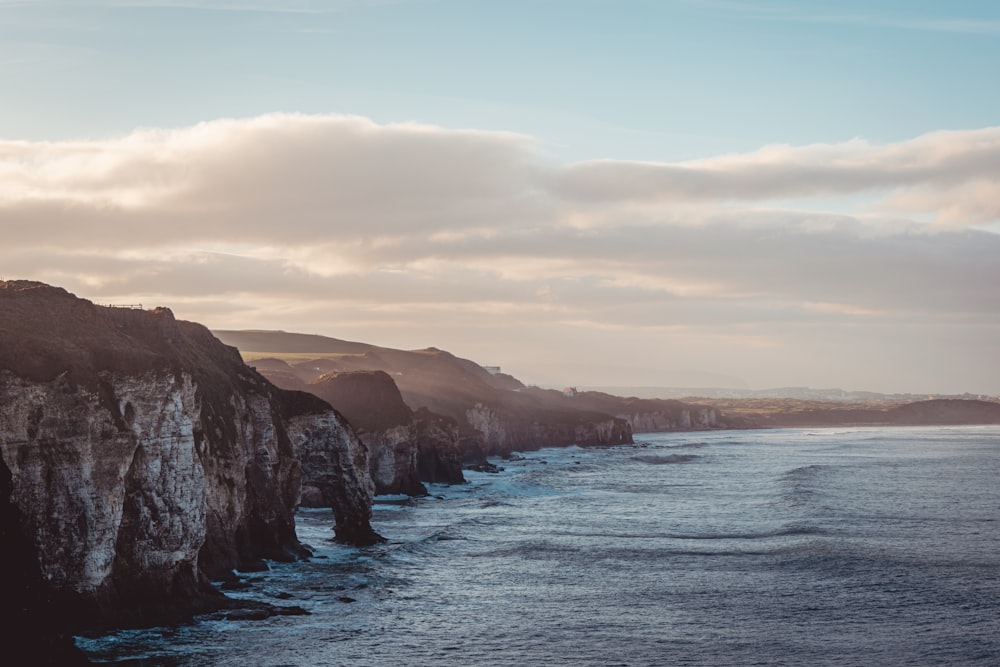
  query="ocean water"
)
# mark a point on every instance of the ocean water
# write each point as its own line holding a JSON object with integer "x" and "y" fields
{"x": 859, "y": 546}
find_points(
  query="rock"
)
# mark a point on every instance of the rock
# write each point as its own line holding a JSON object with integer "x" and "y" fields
{"x": 334, "y": 462}
{"x": 484, "y": 467}
{"x": 35, "y": 623}
{"x": 237, "y": 585}
{"x": 249, "y": 614}
{"x": 294, "y": 610}
{"x": 146, "y": 458}
{"x": 372, "y": 404}
{"x": 404, "y": 448}
{"x": 439, "y": 459}
{"x": 505, "y": 430}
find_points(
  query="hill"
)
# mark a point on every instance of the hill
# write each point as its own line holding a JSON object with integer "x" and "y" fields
{"x": 496, "y": 413}
{"x": 473, "y": 396}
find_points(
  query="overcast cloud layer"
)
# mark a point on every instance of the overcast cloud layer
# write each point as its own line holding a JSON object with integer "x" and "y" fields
{"x": 854, "y": 265}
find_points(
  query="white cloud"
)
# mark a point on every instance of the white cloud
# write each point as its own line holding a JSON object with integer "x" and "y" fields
{"x": 415, "y": 235}
{"x": 943, "y": 166}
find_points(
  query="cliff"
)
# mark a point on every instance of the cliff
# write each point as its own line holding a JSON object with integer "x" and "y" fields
{"x": 440, "y": 453}
{"x": 944, "y": 412}
{"x": 34, "y": 623}
{"x": 514, "y": 426}
{"x": 795, "y": 413}
{"x": 654, "y": 415}
{"x": 335, "y": 467}
{"x": 404, "y": 448}
{"x": 146, "y": 459}
{"x": 494, "y": 412}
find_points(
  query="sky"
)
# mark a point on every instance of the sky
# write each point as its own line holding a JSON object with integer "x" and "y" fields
{"x": 587, "y": 192}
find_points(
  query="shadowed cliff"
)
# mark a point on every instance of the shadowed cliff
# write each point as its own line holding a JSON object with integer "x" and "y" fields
{"x": 495, "y": 413}
{"x": 36, "y": 623}
{"x": 146, "y": 459}
{"x": 405, "y": 447}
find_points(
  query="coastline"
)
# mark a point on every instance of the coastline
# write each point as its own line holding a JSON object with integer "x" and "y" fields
{"x": 372, "y": 594}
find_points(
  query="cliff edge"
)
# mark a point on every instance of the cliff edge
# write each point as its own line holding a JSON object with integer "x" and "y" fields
{"x": 493, "y": 412}
{"x": 146, "y": 459}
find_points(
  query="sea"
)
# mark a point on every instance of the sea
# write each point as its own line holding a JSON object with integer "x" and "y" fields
{"x": 851, "y": 546}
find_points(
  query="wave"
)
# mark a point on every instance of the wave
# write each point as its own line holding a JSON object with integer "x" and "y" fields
{"x": 688, "y": 445}
{"x": 805, "y": 472}
{"x": 654, "y": 459}
{"x": 791, "y": 531}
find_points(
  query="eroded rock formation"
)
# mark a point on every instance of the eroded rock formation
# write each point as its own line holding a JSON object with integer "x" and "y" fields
{"x": 334, "y": 468}
{"x": 439, "y": 460}
{"x": 372, "y": 404}
{"x": 508, "y": 430}
{"x": 404, "y": 448}
{"x": 145, "y": 458}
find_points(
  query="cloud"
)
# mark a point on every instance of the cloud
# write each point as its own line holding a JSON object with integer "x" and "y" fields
{"x": 940, "y": 166}
{"x": 275, "y": 179}
{"x": 335, "y": 177}
{"x": 416, "y": 235}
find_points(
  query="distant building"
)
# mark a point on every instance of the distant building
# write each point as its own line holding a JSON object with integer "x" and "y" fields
{"x": 569, "y": 391}
{"x": 493, "y": 370}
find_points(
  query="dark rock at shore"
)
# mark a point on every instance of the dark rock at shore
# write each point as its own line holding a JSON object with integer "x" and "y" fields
{"x": 261, "y": 611}
{"x": 486, "y": 466}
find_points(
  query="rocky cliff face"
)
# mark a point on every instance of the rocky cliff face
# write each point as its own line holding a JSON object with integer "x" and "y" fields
{"x": 145, "y": 457}
{"x": 35, "y": 624}
{"x": 393, "y": 463}
{"x": 439, "y": 460}
{"x": 654, "y": 415}
{"x": 503, "y": 433}
{"x": 93, "y": 485}
{"x": 372, "y": 404}
{"x": 685, "y": 419}
{"x": 334, "y": 469}
{"x": 404, "y": 448}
